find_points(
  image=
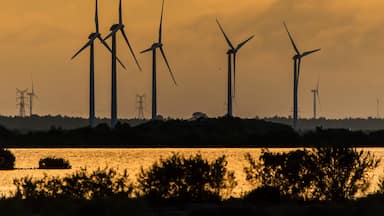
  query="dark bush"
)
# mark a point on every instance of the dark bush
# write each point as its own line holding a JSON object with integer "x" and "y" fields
{"x": 329, "y": 173}
{"x": 7, "y": 160}
{"x": 341, "y": 173}
{"x": 54, "y": 163}
{"x": 99, "y": 184}
{"x": 264, "y": 194}
{"x": 179, "y": 178}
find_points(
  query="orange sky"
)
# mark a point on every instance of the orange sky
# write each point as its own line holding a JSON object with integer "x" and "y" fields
{"x": 39, "y": 37}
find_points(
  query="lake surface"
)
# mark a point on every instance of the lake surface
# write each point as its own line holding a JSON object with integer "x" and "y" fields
{"x": 133, "y": 160}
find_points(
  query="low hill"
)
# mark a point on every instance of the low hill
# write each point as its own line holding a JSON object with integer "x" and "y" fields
{"x": 171, "y": 133}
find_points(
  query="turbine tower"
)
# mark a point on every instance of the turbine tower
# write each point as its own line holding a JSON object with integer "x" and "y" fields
{"x": 114, "y": 29}
{"x": 31, "y": 95}
{"x": 232, "y": 53}
{"x": 92, "y": 37}
{"x": 316, "y": 98}
{"x": 296, "y": 74}
{"x": 20, "y": 97}
{"x": 153, "y": 48}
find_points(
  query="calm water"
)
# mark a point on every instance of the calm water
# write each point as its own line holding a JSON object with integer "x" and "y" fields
{"x": 132, "y": 160}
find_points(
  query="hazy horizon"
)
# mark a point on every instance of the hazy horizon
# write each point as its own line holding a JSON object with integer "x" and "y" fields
{"x": 40, "y": 36}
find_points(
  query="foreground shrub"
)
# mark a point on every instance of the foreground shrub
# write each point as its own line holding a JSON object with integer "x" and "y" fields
{"x": 99, "y": 184}
{"x": 329, "y": 173}
{"x": 7, "y": 160}
{"x": 264, "y": 194}
{"x": 54, "y": 163}
{"x": 343, "y": 172}
{"x": 180, "y": 178}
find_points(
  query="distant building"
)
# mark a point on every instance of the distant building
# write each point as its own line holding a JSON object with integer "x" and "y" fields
{"x": 199, "y": 115}
{"x": 160, "y": 118}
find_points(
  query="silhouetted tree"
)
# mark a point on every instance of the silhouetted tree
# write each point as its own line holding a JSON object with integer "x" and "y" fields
{"x": 180, "y": 178}
{"x": 341, "y": 172}
{"x": 328, "y": 173}
{"x": 99, "y": 184}
{"x": 290, "y": 172}
{"x": 7, "y": 159}
{"x": 54, "y": 163}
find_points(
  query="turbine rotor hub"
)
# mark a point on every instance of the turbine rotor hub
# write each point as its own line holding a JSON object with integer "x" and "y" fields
{"x": 156, "y": 45}
{"x": 114, "y": 27}
{"x": 93, "y": 35}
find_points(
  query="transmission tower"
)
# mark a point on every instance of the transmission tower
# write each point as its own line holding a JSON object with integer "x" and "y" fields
{"x": 140, "y": 100}
{"x": 21, "y": 101}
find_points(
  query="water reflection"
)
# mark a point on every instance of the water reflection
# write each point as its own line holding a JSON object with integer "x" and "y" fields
{"x": 131, "y": 159}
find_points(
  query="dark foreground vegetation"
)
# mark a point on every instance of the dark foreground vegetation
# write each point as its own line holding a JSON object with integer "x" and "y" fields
{"x": 319, "y": 181}
{"x": 372, "y": 206}
{"x": 221, "y": 132}
{"x": 7, "y": 159}
{"x": 54, "y": 163}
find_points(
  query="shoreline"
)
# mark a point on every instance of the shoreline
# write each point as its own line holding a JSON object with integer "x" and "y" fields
{"x": 182, "y": 147}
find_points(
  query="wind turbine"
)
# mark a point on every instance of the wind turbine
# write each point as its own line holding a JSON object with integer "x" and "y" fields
{"x": 31, "y": 95}
{"x": 153, "y": 48}
{"x": 378, "y": 108}
{"x": 92, "y": 37}
{"x": 232, "y": 52}
{"x": 114, "y": 29}
{"x": 316, "y": 98}
{"x": 296, "y": 74}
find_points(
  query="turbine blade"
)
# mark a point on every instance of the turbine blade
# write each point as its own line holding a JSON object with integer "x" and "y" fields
{"x": 161, "y": 23}
{"x": 130, "y": 48}
{"x": 110, "y": 35}
{"x": 147, "y": 50}
{"x": 290, "y": 37}
{"x": 244, "y": 42}
{"x": 225, "y": 35}
{"x": 82, "y": 48}
{"x": 318, "y": 91}
{"x": 33, "y": 92}
{"x": 166, "y": 62}
{"x": 310, "y": 52}
{"x": 318, "y": 85}
{"x": 120, "y": 14}
{"x": 110, "y": 50}
{"x": 97, "y": 17}
{"x": 318, "y": 97}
